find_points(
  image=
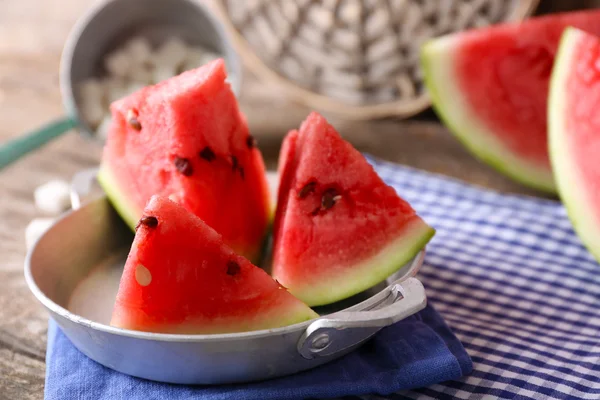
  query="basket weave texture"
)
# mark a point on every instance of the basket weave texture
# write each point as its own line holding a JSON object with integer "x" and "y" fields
{"x": 358, "y": 58}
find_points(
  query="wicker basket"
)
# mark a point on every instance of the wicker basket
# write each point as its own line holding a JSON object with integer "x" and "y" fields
{"x": 355, "y": 58}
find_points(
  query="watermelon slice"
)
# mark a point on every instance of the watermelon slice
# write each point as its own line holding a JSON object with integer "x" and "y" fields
{"x": 186, "y": 139}
{"x": 574, "y": 132}
{"x": 490, "y": 86}
{"x": 180, "y": 277}
{"x": 339, "y": 229}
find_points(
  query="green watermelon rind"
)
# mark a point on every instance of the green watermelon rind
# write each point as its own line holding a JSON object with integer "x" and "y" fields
{"x": 286, "y": 314}
{"x": 129, "y": 212}
{"x": 570, "y": 188}
{"x": 449, "y": 103}
{"x": 367, "y": 273}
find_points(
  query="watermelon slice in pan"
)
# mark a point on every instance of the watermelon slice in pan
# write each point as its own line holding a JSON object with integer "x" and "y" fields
{"x": 186, "y": 139}
{"x": 339, "y": 229}
{"x": 180, "y": 277}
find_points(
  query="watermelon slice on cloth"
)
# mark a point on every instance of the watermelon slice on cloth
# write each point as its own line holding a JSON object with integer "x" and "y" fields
{"x": 574, "y": 132}
{"x": 490, "y": 87}
{"x": 185, "y": 138}
{"x": 180, "y": 277}
{"x": 339, "y": 229}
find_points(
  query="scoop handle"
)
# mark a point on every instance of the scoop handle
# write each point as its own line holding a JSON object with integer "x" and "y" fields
{"x": 346, "y": 329}
{"x": 16, "y": 148}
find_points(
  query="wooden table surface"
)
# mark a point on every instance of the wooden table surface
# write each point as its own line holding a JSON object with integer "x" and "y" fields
{"x": 32, "y": 33}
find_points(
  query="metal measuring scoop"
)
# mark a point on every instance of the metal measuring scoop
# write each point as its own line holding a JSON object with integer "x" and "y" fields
{"x": 104, "y": 28}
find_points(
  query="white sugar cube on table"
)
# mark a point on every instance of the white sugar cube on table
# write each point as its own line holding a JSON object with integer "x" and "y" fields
{"x": 53, "y": 197}
{"x": 36, "y": 228}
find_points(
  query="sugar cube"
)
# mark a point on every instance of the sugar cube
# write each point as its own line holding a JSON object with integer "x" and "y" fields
{"x": 163, "y": 72}
{"x": 92, "y": 112}
{"x": 141, "y": 73}
{"x": 53, "y": 197}
{"x": 91, "y": 92}
{"x": 116, "y": 88}
{"x": 118, "y": 63}
{"x": 102, "y": 130}
{"x": 91, "y": 89}
{"x": 139, "y": 50}
{"x": 172, "y": 52}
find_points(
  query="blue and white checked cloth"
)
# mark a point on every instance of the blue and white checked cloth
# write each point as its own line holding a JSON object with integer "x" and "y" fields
{"x": 514, "y": 283}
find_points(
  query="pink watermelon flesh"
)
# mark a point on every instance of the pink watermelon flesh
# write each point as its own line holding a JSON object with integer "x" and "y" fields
{"x": 339, "y": 229}
{"x": 491, "y": 85}
{"x": 574, "y": 129}
{"x": 286, "y": 171}
{"x": 180, "y": 277}
{"x": 193, "y": 146}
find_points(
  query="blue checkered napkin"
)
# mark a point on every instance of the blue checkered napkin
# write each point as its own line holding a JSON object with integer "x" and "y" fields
{"x": 513, "y": 281}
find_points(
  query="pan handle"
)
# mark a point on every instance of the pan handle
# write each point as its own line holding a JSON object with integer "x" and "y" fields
{"x": 345, "y": 329}
{"x": 12, "y": 150}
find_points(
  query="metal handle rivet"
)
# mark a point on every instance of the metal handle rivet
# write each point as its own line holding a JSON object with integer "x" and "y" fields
{"x": 320, "y": 341}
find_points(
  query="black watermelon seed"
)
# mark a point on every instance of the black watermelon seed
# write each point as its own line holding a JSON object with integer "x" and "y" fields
{"x": 330, "y": 196}
{"x": 183, "y": 165}
{"x": 132, "y": 119}
{"x": 233, "y": 268}
{"x": 148, "y": 221}
{"x": 307, "y": 189}
{"x": 207, "y": 154}
{"x": 234, "y": 163}
{"x": 250, "y": 142}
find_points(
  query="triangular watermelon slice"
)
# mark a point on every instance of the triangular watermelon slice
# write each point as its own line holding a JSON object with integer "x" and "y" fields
{"x": 181, "y": 278}
{"x": 574, "y": 132}
{"x": 339, "y": 229}
{"x": 490, "y": 86}
{"x": 186, "y": 139}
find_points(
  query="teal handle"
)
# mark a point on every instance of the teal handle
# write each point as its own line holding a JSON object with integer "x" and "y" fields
{"x": 14, "y": 149}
